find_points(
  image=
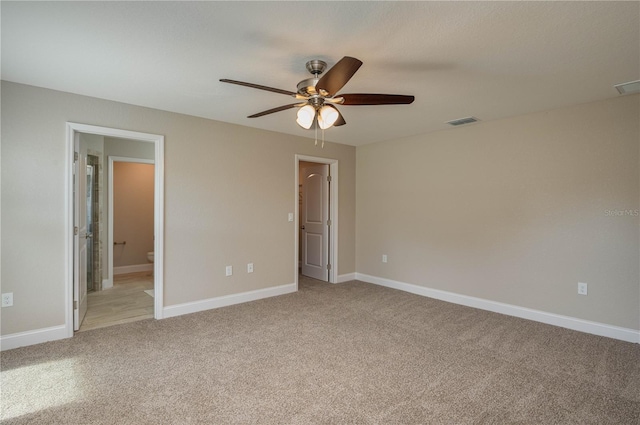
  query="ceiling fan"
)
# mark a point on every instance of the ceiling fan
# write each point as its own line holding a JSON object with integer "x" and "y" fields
{"x": 317, "y": 96}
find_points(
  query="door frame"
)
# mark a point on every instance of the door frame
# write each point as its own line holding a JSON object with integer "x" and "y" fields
{"x": 110, "y": 217}
{"x": 73, "y": 130}
{"x": 333, "y": 214}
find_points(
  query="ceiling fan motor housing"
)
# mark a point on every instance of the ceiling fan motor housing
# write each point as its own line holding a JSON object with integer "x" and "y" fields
{"x": 308, "y": 87}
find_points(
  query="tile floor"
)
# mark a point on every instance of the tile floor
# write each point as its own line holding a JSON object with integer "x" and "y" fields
{"x": 125, "y": 302}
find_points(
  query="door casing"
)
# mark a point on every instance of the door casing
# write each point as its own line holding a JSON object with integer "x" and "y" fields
{"x": 158, "y": 266}
{"x": 333, "y": 214}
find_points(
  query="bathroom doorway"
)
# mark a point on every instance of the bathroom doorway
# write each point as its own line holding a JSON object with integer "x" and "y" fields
{"x": 91, "y": 273}
{"x": 128, "y": 291}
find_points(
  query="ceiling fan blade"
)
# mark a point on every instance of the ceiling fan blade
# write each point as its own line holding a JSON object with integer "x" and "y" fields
{"x": 335, "y": 78}
{"x": 376, "y": 99}
{"x": 258, "y": 86}
{"x": 278, "y": 109}
{"x": 340, "y": 121}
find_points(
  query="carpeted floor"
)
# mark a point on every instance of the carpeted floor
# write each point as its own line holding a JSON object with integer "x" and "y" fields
{"x": 353, "y": 353}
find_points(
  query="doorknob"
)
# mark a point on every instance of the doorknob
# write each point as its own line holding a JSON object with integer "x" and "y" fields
{"x": 302, "y": 227}
{"x": 88, "y": 235}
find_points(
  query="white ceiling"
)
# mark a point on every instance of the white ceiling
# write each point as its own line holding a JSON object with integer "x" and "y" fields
{"x": 486, "y": 59}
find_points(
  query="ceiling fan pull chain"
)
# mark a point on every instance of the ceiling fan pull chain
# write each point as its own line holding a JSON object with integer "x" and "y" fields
{"x": 322, "y": 138}
{"x": 316, "y": 131}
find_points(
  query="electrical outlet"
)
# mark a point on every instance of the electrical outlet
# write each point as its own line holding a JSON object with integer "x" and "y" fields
{"x": 290, "y": 216}
{"x": 384, "y": 258}
{"x": 250, "y": 268}
{"x": 582, "y": 288}
{"x": 229, "y": 270}
{"x": 7, "y": 299}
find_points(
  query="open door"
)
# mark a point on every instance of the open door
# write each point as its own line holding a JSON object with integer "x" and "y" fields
{"x": 81, "y": 235}
{"x": 315, "y": 222}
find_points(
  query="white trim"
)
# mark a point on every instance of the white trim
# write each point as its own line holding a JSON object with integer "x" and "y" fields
{"x": 595, "y": 328}
{"x": 227, "y": 300}
{"x": 158, "y": 141}
{"x": 106, "y": 284}
{"x": 38, "y": 336}
{"x": 346, "y": 277}
{"x": 333, "y": 214}
{"x": 133, "y": 268}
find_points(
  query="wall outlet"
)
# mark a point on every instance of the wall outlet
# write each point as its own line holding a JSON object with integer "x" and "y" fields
{"x": 7, "y": 299}
{"x": 290, "y": 216}
{"x": 229, "y": 270}
{"x": 582, "y": 288}
{"x": 384, "y": 258}
{"x": 250, "y": 268}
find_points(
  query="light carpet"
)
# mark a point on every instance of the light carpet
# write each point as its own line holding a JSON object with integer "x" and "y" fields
{"x": 353, "y": 353}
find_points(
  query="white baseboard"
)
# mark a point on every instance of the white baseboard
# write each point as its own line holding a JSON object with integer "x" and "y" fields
{"x": 22, "y": 339}
{"x": 227, "y": 300}
{"x": 133, "y": 269}
{"x": 346, "y": 277}
{"x": 107, "y": 283}
{"x": 595, "y": 328}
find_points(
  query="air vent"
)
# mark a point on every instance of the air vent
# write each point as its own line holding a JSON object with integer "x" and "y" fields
{"x": 628, "y": 88}
{"x": 461, "y": 121}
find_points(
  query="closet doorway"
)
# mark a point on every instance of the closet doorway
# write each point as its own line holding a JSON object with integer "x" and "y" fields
{"x": 316, "y": 218}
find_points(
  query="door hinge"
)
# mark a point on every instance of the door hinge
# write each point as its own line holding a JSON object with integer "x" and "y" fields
{"x": 329, "y": 222}
{"x": 75, "y": 230}
{"x": 329, "y": 179}
{"x": 75, "y": 156}
{"x": 75, "y": 305}
{"x": 328, "y": 266}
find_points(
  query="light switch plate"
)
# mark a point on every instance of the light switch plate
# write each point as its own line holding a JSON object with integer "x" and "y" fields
{"x": 582, "y": 288}
{"x": 229, "y": 270}
{"x": 7, "y": 299}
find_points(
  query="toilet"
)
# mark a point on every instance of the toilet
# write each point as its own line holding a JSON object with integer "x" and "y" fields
{"x": 150, "y": 258}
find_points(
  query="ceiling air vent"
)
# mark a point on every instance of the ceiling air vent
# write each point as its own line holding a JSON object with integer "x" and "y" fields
{"x": 628, "y": 88}
{"x": 461, "y": 121}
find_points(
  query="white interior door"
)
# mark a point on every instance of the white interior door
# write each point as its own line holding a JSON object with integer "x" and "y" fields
{"x": 315, "y": 222}
{"x": 80, "y": 236}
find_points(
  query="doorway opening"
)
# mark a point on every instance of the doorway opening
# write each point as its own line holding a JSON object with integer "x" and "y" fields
{"x": 89, "y": 252}
{"x": 316, "y": 218}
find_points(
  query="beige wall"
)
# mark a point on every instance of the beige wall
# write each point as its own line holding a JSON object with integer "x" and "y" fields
{"x": 133, "y": 185}
{"x": 516, "y": 211}
{"x": 228, "y": 190}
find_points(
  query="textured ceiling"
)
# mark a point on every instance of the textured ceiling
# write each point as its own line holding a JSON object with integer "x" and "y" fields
{"x": 487, "y": 59}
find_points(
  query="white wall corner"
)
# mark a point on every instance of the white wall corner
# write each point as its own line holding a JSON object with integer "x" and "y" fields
{"x": 38, "y": 336}
{"x": 227, "y": 300}
{"x": 595, "y": 328}
{"x": 346, "y": 277}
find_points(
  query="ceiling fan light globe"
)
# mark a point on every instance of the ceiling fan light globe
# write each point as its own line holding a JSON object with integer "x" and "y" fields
{"x": 327, "y": 117}
{"x": 306, "y": 114}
